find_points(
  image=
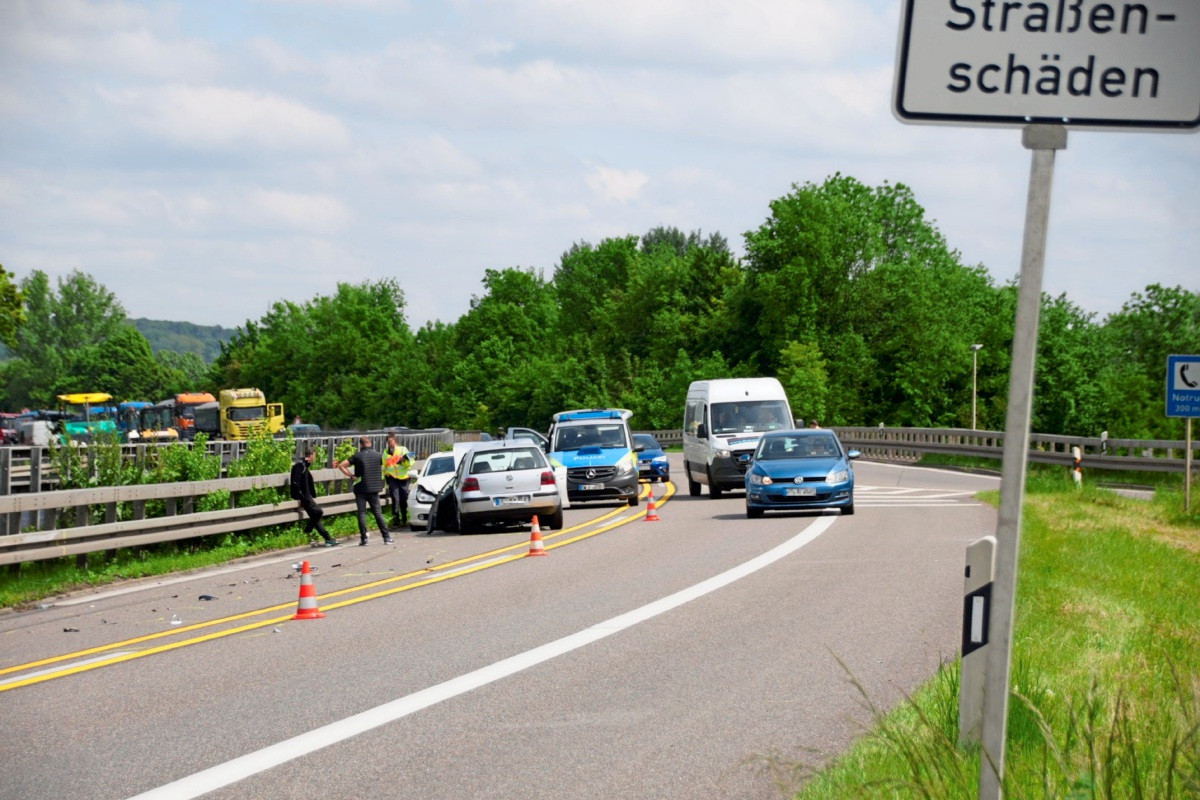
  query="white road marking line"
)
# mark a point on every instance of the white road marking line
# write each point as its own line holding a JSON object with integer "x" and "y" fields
{"x": 250, "y": 764}
{"x": 61, "y": 667}
{"x": 917, "y": 504}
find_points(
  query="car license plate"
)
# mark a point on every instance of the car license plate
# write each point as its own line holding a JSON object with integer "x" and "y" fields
{"x": 511, "y": 500}
{"x": 801, "y": 491}
{"x": 591, "y": 487}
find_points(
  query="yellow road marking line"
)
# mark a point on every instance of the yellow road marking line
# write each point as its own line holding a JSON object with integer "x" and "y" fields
{"x": 104, "y": 662}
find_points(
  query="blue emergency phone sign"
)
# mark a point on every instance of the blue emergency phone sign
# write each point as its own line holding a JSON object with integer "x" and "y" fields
{"x": 1183, "y": 386}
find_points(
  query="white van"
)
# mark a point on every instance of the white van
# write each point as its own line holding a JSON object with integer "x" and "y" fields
{"x": 722, "y": 422}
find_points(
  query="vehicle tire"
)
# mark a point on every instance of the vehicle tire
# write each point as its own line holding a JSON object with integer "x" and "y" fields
{"x": 414, "y": 528}
{"x": 460, "y": 522}
{"x": 633, "y": 501}
{"x": 714, "y": 490}
{"x": 753, "y": 513}
{"x": 693, "y": 487}
{"x": 847, "y": 510}
{"x": 555, "y": 521}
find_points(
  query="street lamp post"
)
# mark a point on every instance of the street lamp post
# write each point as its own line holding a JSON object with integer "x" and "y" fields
{"x": 975, "y": 348}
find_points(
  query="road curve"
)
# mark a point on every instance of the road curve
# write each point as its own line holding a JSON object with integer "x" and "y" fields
{"x": 449, "y": 666}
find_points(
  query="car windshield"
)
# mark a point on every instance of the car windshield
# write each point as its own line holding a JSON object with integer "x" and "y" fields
{"x": 647, "y": 441}
{"x": 439, "y": 466}
{"x": 509, "y": 459}
{"x": 781, "y": 447}
{"x": 242, "y": 414}
{"x": 600, "y": 434}
{"x": 750, "y": 416}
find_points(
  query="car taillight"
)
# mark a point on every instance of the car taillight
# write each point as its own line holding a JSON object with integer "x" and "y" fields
{"x": 547, "y": 479}
{"x": 471, "y": 485}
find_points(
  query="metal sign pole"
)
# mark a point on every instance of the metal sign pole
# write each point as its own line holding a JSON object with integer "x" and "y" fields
{"x": 1187, "y": 469}
{"x": 1043, "y": 140}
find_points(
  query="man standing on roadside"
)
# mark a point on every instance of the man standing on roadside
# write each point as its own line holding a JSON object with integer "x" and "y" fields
{"x": 368, "y": 481}
{"x": 304, "y": 489}
{"x": 396, "y": 460}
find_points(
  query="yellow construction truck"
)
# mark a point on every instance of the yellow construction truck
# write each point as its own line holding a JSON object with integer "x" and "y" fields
{"x": 239, "y": 414}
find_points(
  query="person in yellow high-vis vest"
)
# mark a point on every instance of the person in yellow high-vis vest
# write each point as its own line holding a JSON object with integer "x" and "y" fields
{"x": 396, "y": 461}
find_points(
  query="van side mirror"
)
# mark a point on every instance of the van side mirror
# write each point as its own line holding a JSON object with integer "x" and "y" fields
{"x": 701, "y": 431}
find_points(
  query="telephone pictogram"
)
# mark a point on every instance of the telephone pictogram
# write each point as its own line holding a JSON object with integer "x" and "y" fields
{"x": 1183, "y": 376}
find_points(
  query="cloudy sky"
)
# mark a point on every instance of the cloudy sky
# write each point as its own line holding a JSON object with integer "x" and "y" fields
{"x": 205, "y": 159}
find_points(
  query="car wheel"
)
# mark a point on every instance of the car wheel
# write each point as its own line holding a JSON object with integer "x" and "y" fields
{"x": 633, "y": 501}
{"x": 555, "y": 521}
{"x": 848, "y": 510}
{"x": 753, "y": 513}
{"x": 714, "y": 489}
{"x": 460, "y": 522}
{"x": 693, "y": 487}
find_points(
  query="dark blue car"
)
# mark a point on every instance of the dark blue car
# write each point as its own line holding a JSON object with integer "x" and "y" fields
{"x": 798, "y": 471}
{"x": 652, "y": 460}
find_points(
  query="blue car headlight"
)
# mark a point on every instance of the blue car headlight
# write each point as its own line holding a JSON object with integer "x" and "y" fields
{"x": 838, "y": 476}
{"x": 759, "y": 479}
{"x": 659, "y": 460}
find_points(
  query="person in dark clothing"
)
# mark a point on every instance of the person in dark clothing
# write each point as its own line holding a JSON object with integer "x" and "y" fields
{"x": 368, "y": 482}
{"x": 305, "y": 490}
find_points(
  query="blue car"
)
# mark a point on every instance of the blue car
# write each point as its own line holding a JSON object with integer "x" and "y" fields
{"x": 798, "y": 471}
{"x": 652, "y": 460}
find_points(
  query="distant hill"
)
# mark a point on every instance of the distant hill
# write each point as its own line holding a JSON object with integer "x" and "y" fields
{"x": 184, "y": 337}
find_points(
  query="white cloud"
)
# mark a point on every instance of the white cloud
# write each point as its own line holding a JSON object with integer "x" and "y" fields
{"x": 314, "y": 214}
{"x": 216, "y": 118}
{"x": 698, "y": 31}
{"x": 616, "y": 185}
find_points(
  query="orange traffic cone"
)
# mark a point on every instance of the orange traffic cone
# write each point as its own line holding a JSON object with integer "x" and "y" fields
{"x": 307, "y": 607}
{"x": 535, "y": 540}
{"x": 651, "y": 510}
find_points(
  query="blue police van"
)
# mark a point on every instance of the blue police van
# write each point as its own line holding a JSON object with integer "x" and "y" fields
{"x": 598, "y": 452}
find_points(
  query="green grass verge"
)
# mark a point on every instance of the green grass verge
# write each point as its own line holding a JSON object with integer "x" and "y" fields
{"x": 1106, "y": 667}
{"x": 27, "y": 583}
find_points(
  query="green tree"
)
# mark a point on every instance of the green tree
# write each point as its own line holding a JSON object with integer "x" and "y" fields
{"x": 338, "y": 360}
{"x": 805, "y": 378}
{"x": 12, "y": 308}
{"x": 76, "y": 339}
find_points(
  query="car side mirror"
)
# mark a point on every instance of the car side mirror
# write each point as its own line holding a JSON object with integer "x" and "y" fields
{"x": 853, "y": 454}
{"x": 701, "y": 431}
{"x": 638, "y": 448}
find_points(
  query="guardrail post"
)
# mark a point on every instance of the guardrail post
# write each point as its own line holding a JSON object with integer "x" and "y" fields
{"x": 977, "y": 598}
{"x": 35, "y": 469}
{"x": 9, "y": 523}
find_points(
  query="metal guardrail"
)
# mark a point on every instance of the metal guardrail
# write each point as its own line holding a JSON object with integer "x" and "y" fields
{"x": 22, "y": 467}
{"x": 908, "y": 444}
{"x": 48, "y": 509}
{"x": 1148, "y": 455}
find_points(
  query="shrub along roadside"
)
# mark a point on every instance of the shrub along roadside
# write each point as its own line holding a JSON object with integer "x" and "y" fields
{"x": 1106, "y": 667}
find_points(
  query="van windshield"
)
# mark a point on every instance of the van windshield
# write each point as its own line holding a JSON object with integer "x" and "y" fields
{"x": 600, "y": 434}
{"x": 750, "y": 416}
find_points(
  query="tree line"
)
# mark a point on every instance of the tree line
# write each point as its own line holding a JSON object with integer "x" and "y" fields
{"x": 846, "y": 292}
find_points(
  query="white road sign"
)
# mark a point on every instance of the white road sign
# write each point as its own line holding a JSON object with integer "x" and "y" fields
{"x": 1079, "y": 63}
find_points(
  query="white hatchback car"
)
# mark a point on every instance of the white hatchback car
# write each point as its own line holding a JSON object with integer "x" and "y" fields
{"x": 506, "y": 481}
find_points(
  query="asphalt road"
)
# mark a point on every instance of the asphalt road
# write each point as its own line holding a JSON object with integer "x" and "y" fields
{"x": 636, "y": 660}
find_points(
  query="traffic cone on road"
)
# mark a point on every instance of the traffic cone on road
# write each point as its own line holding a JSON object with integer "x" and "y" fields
{"x": 651, "y": 509}
{"x": 307, "y": 607}
{"x": 535, "y": 540}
